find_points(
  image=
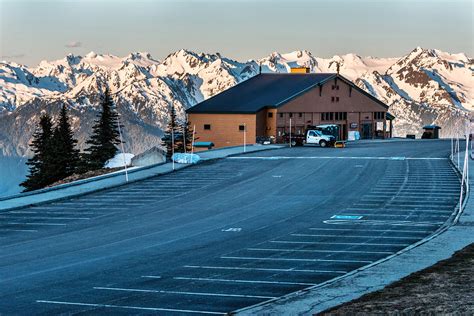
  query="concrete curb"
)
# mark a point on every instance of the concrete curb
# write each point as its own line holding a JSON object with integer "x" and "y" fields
{"x": 116, "y": 179}
{"x": 261, "y": 308}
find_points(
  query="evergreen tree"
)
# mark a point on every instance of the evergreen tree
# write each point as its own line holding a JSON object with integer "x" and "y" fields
{"x": 40, "y": 163}
{"x": 187, "y": 135}
{"x": 66, "y": 160}
{"x": 105, "y": 135}
{"x": 167, "y": 139}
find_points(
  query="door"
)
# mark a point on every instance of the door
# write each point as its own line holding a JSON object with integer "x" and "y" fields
{"x": 366, "y": 131}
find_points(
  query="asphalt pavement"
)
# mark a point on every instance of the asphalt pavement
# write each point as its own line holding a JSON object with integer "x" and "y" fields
{"x": 225, "y": 234}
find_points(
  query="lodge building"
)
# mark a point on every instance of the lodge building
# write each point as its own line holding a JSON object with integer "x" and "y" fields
{"x": 267, "y": 104}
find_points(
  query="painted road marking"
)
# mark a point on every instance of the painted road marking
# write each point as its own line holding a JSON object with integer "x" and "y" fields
{"x": 333, "y": 243}
{"x": 294, "y": 259}
{"x": 374, "y": 230}
{"x": 44, "y": 217}
{"x": 242, "y": 281}
{"x": 39, "y": 224}
{"x": 320, "y": 251}
{"x": 268, "y": 269}
{"x": 18, "y": 230}
{"x": 55, "y": 212}
{"x": 151, "y": 276}
{"x": 333, "y": 157}
{"x": 232, "y": 229}
{"x": 384, "y": 222}
{"x": 182, "y": 292}
{"x": 132, "y": 307}
{"x": 353, "y": 236}
{"x": 353, "y": 217}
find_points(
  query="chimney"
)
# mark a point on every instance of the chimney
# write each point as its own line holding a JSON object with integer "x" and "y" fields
{"x": 300, "y": 70}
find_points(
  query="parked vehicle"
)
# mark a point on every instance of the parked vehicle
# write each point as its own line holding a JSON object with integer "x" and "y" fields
{"x": 311, "y": 136}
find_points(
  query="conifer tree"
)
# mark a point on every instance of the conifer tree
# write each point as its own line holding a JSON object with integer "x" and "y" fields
{"x": 66, "y": 159}
{"x": 187, "y": 131}
{"x": 168, "y": 136}
{"x": 105, "y": 135}
{"x": 40, "y": 162}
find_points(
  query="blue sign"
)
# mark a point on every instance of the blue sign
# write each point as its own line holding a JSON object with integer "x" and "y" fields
{"x": 353, "y": 217}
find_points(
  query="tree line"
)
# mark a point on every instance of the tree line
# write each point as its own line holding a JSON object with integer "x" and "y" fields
{"x": 56, "y": 157}
{"x": 55, "y": 153}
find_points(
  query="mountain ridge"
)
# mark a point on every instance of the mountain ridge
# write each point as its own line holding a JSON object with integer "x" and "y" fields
{"x": 422, "y": 87}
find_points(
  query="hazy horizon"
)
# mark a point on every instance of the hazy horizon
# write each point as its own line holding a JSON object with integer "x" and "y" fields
{"x": 32, "y": 31}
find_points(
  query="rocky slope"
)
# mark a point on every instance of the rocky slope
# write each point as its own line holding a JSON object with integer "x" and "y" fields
{"x": 425, "y": 86}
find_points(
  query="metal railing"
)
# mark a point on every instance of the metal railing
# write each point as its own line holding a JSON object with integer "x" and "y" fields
{"x": 456, "y": 156}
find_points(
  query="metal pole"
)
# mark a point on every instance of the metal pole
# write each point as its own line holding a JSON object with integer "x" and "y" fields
{"x": 192, "y": 144}
{"x": 290, "y": 132}
{"x": 245, "y": 137}
{"x": 123, "y": 151}
{"x": 172, "y": 145}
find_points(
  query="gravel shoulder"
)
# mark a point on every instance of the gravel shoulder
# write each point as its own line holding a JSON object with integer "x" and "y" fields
{"x": 445, "y": 288}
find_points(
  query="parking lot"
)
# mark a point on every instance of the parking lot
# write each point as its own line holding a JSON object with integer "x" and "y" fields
{"x": 224, "y": 235}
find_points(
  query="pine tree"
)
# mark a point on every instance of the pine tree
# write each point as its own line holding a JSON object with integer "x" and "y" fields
{"x": 66, "y": 160}
{"x": 187, "y": 131}
{"x": 167, "y": 139}
{"x": 42, "y": 153}
{"x": 105, "y": 135}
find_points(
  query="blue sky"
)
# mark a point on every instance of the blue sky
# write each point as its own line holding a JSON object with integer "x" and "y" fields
{"x": 33, "y": 30}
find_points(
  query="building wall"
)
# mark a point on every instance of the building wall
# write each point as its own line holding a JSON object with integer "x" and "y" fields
{"x": 224, "y": 130}
{"x": 306, "y": 110}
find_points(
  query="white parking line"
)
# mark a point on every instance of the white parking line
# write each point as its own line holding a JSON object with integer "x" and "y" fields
{"x": 375, "y": 211}
{"x": 18, "y": 230}
{"x": 424, "y": 214}
{"x": 182, "y": 292}
{"x": 38, "y": 224}
{"x": 373, "y": 230}
{"x": 382, "y": 222}
{"x": 333, "y": 157}
{"x": 333, "y": 243}
{"x": 352, "y": 236}
{"x": 241, "y": 281}
{"x": 158, "y": 309}
{"x": 54, "y": 212}
{"x": 294, "y": 259}
{"x": 319, "y": 251}
{"x": 268, "y": 269}
{"x": 44, "y": 217}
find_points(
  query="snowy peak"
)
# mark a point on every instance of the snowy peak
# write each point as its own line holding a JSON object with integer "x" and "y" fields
{"x": 425, "y": 86}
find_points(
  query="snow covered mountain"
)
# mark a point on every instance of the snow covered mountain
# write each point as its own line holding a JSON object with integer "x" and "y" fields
{"x": 425, "y": 86}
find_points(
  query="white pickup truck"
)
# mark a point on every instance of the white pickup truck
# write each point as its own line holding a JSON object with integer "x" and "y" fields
{"x": 311, "y": 136}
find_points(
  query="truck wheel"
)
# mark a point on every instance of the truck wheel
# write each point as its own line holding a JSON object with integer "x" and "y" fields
{"x": 293, "y": 143}
{"x": 323, "y": 143}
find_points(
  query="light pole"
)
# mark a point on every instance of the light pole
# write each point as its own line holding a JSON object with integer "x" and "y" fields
{"x": 121, "y": 145}
{"x": 245, "y": 137}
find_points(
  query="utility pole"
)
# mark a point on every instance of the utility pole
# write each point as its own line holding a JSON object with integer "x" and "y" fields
{"x": 290, "y": 132}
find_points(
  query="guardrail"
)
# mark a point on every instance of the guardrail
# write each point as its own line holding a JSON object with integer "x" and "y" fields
{"x": 456, "y": 157}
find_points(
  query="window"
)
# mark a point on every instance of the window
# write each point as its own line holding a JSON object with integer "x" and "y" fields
{"x": 337, "y": 99}
{"x": 291, "y": 114}
{"x": 241, "y": 127}
{"x": 333, "y": 87}
{"x": 331, "y": 116}
{"x": 270, "y": 114}
{"x": 300, "y": 114}
{"x": 332, "y": 99}
{"x": 207, "y": 126}
{"x": 312, "y": 133}
{"x": 281, "y": 115}
{"x": 337, "y": 87}
{"x": 379, "y": 115}
{"x": 341, "y": 116}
